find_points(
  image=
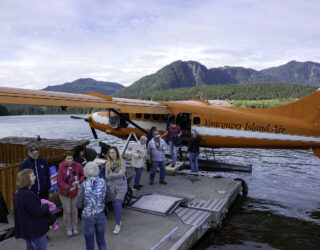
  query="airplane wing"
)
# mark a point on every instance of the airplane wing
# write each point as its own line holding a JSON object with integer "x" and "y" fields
{"x": 94, "y": 100}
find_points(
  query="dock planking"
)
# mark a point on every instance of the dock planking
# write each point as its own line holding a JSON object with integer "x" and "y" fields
{"x": 141, "y": 230}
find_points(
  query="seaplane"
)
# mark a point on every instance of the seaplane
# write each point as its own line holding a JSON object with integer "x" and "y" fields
{"x": 292, "y": 126}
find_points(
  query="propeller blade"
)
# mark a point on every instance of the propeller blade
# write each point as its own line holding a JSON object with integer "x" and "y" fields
{"x": 94, "y": 133}
{"x": 76, "y": 117}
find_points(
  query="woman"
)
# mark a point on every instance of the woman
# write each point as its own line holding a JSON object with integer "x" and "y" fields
{"x": 29, "y": 214}
{"x": 70, "y": 175}
{"x": 91, "y": 200}
{"x": 115, "y": 174}
{"x": 139, "y": 156}
{"x": 78, "y": 155}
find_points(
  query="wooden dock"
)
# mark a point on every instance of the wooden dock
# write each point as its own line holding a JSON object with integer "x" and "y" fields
{"x": 13, "y": 152}
{"x": 206, "y": 203}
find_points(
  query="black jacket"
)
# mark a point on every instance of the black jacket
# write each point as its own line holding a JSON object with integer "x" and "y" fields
{"x": 30, "y": 221}
{"x": 42, "y": 173}
{"x": 194, "y": 144}
{"x": 3, "y": 210}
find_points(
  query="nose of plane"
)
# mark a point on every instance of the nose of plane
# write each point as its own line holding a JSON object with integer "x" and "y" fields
{"x": 88, "y": 118}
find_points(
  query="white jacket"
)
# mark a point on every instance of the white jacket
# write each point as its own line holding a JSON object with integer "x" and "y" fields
{"x": 139, "y": 155}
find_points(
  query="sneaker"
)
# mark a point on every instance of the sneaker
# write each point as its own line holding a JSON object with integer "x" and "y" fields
{"x": 75, "y": 231}
{"x": 140, "y": 186}
{"x": 117, "y": 229}
{"x": 151, "y": 183}
{"x": 69, "y": 233}
{"x": 163, "y": 182}
{"x": 136, "y": 187}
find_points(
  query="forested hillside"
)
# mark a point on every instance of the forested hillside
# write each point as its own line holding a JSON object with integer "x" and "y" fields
{"x": 262, "y": 91}
{"x": 182, "y": 74}
{"x": 84, "y": 85}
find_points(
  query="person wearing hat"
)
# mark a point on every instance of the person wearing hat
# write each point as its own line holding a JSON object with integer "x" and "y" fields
{"x": 193, "y": 148}
{"x": 41, "y": 170}
{"x": 91, "y": 199}
{"x": 156, "y": 152}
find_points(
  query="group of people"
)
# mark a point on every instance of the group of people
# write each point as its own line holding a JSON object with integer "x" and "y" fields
{"x": 81, "y": 187}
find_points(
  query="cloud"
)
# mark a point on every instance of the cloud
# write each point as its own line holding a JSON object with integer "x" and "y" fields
{"x": 51, "y": 42}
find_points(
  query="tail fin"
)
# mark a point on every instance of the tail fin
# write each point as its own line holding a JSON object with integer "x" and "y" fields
{"x": 306, "y": 110}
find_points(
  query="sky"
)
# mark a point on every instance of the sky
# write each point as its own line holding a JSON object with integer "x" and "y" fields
{"x": 46, "y": 42}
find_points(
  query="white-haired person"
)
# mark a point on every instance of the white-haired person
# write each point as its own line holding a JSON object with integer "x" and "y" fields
{"x": 91, "y": 199}
{"x": 115, "y": 175}
{"x": 193, "y": 149}
{"x": 139, "y": 159}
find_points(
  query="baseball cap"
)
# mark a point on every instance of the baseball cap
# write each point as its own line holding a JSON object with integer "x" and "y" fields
{"x": 156, "y": 134}
{"x": 33, "y": 148}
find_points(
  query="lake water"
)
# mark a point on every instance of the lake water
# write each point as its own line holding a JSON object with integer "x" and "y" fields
{"x": 281, "y": 210}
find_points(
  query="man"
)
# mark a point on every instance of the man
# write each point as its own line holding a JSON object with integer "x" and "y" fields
{"x": 41, "y": 170}
{"x": 172, "y": 132}
{"x": 194, "y": 150}
{"x": 156, "y": 151}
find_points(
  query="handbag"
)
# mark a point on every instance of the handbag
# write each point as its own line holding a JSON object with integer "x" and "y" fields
{"x": 111, "y": 192}
{"x": 73, "y": 192}
{"x": 51, "y": 218}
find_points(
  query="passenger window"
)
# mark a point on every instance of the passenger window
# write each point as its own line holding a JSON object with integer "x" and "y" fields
{"x": 164, "y": 117}
{"x": 147, "y": 116}
{"x": 156, "y": 117}
{"x": 196, "y": 120}
{"x": 138, "y": 115}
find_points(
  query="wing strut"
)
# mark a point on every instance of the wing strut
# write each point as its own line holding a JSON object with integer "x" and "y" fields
{"x": 128, "y": 120}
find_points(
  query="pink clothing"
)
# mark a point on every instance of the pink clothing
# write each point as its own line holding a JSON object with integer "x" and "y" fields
{"x": 173, "y": 131}
{"x": 63, "y": 173}
{"x": 52, "y": 207}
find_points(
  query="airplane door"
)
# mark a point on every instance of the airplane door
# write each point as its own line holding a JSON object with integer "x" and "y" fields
{"x": 184, "y": 121}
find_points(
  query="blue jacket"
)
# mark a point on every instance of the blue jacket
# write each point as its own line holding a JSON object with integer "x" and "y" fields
{"x": 41, "y": 170}
{"x": 30, "y": 221}
{"x": 91, "y": 197}
{"x": 154, "y": 153}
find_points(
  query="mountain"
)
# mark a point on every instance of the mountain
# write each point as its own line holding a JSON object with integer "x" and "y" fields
{"x": 181, "y": 74}
{"x": 307, "y": 73}
{"x": 87, "y": 85}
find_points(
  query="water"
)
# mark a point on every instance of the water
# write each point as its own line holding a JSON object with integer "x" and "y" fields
{"x": 282, "y": 208}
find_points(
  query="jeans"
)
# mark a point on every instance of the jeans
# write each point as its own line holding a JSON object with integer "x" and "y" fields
{"x": 138, "y": 176}
{"x": 39, "y": 243}
{"x": 193, "y": 161}
{"x": 154, "y": 167}
{"x": 173, "y": 152}
{"x": 117, "y": 206}
{"x": 93, "y": 224}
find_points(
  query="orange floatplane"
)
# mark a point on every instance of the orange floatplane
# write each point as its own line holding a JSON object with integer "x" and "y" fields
{"x": 292, "y": 126}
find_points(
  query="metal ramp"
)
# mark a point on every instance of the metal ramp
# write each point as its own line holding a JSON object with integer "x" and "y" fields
{"x": 200, "y": 219}
{"x": 217, "y": 207}
{"x": 159, "y": 204}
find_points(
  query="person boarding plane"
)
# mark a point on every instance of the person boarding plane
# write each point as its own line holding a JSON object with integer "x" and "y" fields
{"x": 292, "y": 126}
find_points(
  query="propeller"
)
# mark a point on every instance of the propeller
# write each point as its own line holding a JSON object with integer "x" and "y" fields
{"x": 94, "y": 133}
{"x": 76, "y": 117}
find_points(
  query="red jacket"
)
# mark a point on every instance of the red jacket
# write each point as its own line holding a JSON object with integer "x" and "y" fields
{"x": 62, "y": 175}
